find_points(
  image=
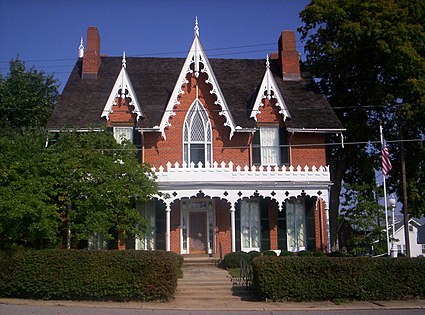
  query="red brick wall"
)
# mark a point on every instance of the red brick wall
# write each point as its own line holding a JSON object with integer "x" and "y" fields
{"x": 269, "y": 113}
{"x": 175, "y": 227}
{"x": 159, "y": 151}
{"x": 91, "y": 59}
{"x": 273, "y": 209}
{"x": 307, "y": 154}
{"x": 320, "y": 225}
{"x": 289, "y": 57}
{"x": 223, "y": 229}
{"x": 122, "y": 114}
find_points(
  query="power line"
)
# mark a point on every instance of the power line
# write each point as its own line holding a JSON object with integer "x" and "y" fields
{"x": 245, "y": 147}
{"x": 160, "y": 53}
{"x": 233, "y": 110}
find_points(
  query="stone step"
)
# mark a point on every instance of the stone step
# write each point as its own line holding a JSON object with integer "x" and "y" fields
{"x": 199, "y": 263}
{"x": 210, "y": 297}
{"x": 222, "y": 290}
{"x": 212, "y": 284}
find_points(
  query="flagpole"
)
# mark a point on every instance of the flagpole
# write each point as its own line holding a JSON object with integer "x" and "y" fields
{"x": 385, "y": 197}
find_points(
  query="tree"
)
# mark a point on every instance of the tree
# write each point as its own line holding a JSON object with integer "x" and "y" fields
{"x": 367, "y": 219}
{"x": 85, "y": 182}
{"x": 98, "y": 183}
{"x": 27, "y": 96}
{"x": 368, "y": 58}
{"x": 28, "y": 214}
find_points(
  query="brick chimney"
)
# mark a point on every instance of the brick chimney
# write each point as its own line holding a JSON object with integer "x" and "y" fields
{"x": 289, "y": 58}
{"x": 91, "y": 59}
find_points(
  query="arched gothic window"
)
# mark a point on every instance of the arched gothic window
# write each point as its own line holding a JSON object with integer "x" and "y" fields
{"x": 197, "y": 136}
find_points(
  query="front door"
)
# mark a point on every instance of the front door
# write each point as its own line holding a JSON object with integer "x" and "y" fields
{"x": 198, "y": 233}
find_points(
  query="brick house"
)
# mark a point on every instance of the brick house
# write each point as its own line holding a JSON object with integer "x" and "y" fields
{"x": 237, "y": 145}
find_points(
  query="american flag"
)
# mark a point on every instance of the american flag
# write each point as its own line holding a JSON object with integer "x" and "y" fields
{"x": 386, "y": 164}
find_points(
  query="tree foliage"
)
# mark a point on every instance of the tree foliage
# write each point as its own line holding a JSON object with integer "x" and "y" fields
{"x": 86, "y": 182}
{"x": 368, "y": 57}
{"x": 366, "y": 217}
{"x": 98, "y": 183}
{"x": 27, "y": 96}
{"x": 28, "y": 214}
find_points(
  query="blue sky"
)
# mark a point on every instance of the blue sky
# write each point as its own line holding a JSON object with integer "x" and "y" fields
{"x": 46, "y": 33}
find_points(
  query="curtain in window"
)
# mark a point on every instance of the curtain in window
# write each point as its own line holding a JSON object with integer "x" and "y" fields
{"x": 295, "y": 222}
{"x": 270, "y": 152}
{"x": 147, "y": 210}
{"x": 250, "y": 225}
{"x": 123, "y": 133}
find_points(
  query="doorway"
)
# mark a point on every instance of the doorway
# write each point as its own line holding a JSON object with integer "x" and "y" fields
{"x": 198, "y": 240}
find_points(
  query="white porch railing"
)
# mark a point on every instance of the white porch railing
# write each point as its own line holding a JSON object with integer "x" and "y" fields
{"x": 222, "y": 172}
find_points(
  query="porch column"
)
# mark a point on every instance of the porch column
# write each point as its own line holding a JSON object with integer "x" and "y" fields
{"x": 233, "y": 224}
{"x": 167, "y": 227}
{"x": 328, "y": 231}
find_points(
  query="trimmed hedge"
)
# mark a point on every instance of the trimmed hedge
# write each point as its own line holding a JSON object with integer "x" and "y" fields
{"x": 89, "y": 275}
{"x": 233, "y": 260}
{"x": 326, "y": 278}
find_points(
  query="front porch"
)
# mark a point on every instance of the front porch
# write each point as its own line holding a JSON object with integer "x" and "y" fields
{"x": 223, "y": 208}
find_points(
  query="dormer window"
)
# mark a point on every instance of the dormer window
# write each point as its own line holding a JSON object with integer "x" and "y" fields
{"x": 197, "y": 136}
{"x": 269, "y": 146}
{"x": 123, "y": 133}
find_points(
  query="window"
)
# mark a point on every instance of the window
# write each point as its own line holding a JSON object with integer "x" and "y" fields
{"x": 250, "y": 225}
{"x": 295, "y": 223}
{"x": 197, "y": 136}
{"x": 269, "y": 146}
{"x": 123, "y": 133}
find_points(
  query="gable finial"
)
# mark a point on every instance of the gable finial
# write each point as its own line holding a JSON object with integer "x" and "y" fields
{"x": 124, "y": 62}
{"x": 196, "y": 29}
{"x": 268, "y": 87}
{"x": 81, "y": 49}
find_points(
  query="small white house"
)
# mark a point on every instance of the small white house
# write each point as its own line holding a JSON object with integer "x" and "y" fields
{"x": 416, "y": 236}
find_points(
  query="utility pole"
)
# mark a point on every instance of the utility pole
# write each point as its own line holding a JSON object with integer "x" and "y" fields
{"x": 404, "y": 185}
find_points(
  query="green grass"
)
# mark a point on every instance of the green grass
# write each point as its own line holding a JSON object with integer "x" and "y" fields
{"x": 234, "y": 272}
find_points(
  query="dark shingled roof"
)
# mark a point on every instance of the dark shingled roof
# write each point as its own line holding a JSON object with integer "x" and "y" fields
{"x": 153, "y": 79}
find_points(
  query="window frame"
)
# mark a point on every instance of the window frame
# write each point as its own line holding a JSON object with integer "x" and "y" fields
{"x": 197, "y": 117}
{"x": 258, "y": 149}
{"x": 117, "y": 135}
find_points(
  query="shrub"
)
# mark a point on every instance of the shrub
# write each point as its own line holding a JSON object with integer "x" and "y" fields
{"x": 319, "y": 254}
{"x": 252, "y": 254}
{"x": 304, "y": 253}
{"x": 269, "y": 253}
{"x": 285, "y": 253}
{"x": 233, "y": 260}
{"x": 347, "y": 278}
{"x": 94, "y": 275}
{"x": 337, "y": 254}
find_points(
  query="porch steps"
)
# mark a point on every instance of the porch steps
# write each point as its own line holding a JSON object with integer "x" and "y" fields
{"x": 204, "y": 280}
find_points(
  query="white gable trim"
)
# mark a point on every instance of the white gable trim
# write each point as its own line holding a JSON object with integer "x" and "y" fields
{"x": 122, "y": 83}
{"x": 269, "y": 85}
{"x": 197, "y": 55}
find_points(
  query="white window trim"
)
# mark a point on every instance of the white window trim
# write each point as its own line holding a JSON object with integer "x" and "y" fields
{"x": 188, "y": 122}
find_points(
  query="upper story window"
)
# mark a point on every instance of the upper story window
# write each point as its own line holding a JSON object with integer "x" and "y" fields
{"x": 269, "y": 146}
{"x": 197, "y": 136}
{"x": 123, "y": 133}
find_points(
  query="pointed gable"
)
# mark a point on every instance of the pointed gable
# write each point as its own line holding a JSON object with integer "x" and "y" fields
{"x": 196, "y": 61}
{"x": 122, "y": 89}
{"x": 269, "y": 89}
